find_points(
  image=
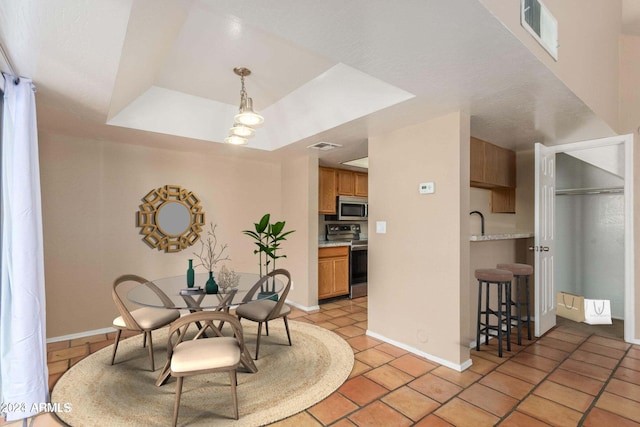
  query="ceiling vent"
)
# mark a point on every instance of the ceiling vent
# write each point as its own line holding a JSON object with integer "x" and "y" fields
{"x": 541, "y": 24}
{"x": 324, "y": 146}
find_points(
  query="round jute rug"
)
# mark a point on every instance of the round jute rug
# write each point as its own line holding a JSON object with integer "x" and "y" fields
{"x": 289, "y": 380}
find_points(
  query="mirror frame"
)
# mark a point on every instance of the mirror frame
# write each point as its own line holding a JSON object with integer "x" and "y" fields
{"x": 147, "y": 216}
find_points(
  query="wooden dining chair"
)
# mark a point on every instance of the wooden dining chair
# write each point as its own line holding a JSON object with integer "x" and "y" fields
{"x": 263, "y": 310}
{"x": 144, "y": 319}
{"x": 201, "y": 355}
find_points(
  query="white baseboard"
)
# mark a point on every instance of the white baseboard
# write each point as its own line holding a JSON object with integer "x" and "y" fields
{"x": 455, "y": 366}
{"x": 303, "y": 307}
{"x": 80, "y": 335}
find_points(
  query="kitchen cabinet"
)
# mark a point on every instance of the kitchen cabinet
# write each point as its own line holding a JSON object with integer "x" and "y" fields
{"x": 352, "y": 183}
{"x": 327, "y": 191}
{"x": 494, "y": 168}
{"x": 333, "y": 272}
{"x": 339, "y": 182}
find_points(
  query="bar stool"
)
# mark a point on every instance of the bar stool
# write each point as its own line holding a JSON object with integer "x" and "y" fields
{"x": 502, "y": 279}
{"x": 520, "y": 271}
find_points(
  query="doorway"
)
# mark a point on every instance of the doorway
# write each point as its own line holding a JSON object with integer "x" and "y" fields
{"x": 588, "y": 233}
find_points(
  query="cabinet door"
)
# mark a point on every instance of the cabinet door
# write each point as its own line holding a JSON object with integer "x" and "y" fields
{"x": 361, "y": 184}
{"x": 326, "y": 272}
{"x": 477, "y": 160}
{"x": 341, "y": 278}
{"x": 327, "y": 191}
{"x": 333, "y": 272}
{"x": 346, "y": 183}
{"x": 503, "y": 200}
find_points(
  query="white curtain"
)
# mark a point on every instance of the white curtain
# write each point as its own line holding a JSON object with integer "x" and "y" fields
{"x": 23, "y": 354}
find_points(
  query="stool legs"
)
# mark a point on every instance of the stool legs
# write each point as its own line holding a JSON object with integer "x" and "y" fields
{"x": 518, "y": 303}
{"x": 503, "y": 314}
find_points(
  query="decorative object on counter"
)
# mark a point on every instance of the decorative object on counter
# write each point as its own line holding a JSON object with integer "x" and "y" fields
{"x": 247, "y": 120}
{"x": 268, "y": 237}
{"x": 170, "y": 218}
{"x": 210, "y": 254}
{"x": 190, "y": 275}
{"x": 227, "y": 279}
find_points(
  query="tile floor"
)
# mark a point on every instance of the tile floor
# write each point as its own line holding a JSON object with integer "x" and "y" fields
{"x": 574, "y": 375}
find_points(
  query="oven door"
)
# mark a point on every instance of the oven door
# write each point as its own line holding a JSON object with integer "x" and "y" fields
{"x": 358, "y": 271}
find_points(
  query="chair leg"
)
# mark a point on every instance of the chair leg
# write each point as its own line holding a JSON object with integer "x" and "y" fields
{"x": 234, "y": 382}
{"x": 286, "y": 326}
{"x": 115, "y": 345}
{"x": 258, "y": 340}
{"x": 177, "y": 404}
{"x": 144, "y": 340}
{"x": 266, "y": 324}
{"x": 153, "y": 368}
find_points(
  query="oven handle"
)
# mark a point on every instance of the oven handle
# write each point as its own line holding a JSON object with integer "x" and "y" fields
{"x": 359, "y": 248}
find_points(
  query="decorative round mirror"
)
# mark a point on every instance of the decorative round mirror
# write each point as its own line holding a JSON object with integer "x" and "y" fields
{"x": 170, "y": 218}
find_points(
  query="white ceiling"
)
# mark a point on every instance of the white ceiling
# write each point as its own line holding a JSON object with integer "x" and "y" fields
{"x": 321, "y": 71}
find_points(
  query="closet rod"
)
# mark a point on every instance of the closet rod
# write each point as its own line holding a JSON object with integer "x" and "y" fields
{"x": 594, "y": 190}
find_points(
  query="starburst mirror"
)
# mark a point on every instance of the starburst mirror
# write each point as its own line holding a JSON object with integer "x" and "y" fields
{"x": 170, "y": 218}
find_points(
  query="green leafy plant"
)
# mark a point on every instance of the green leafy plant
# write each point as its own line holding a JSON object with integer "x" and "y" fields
{"x": 268, "y": 237}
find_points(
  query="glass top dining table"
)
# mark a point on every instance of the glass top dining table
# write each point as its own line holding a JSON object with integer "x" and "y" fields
{"x": 175, "y": 294}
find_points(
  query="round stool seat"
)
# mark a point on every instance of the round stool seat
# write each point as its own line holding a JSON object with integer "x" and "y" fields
{"x": 494, "y": 275}
{"x": 517, "y": 269}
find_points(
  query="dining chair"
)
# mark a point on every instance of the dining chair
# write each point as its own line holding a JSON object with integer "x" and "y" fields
{"x": 263, "y": 310}
{"x": 201, "y": 355}
{"x": 144, "y": 319}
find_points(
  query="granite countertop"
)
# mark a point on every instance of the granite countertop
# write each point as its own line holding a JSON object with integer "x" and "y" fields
{"x": 328, "y": 244}
{"x": 503, "y": 236}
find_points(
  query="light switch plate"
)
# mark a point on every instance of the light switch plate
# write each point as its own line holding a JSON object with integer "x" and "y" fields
{"x": 427, "y": 188}
{"x": 381, "y": 227}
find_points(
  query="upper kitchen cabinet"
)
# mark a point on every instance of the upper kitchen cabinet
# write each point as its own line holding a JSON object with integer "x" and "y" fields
{"x": 492, "y": 166}
{"x": 339, "y": 182}
{"x": 327, "y": 191}
{"x": 352, "y": 183}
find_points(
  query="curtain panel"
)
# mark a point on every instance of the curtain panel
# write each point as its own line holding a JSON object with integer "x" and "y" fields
{"x": 23, "y": 356}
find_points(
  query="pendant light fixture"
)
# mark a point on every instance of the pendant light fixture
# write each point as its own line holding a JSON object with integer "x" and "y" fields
{"x": 246, "y": 120}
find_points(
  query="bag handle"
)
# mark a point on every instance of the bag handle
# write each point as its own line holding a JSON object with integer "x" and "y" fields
{"x": 573, "y": 299}
{"x": 598, "y": 312}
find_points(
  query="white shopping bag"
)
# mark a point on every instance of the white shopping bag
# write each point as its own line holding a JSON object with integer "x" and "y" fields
{"x": 597, "y": 311}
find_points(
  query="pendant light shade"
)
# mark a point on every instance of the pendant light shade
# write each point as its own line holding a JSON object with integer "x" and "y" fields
{"x": 239, "y": 129}
{"x": 246, "y": 120}
{"x": 236, "y": 140}
{"x": 247, "y": 116}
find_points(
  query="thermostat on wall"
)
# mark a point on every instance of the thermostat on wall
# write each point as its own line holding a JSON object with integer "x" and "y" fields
{"x": 427, "y": 188}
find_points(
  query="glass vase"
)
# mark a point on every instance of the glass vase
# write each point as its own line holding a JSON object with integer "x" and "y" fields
{"x": 211, "y": 287}
{"x": 190, "y": 275}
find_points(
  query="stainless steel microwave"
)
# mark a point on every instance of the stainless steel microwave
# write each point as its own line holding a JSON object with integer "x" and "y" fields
{"x": 352, "y": 208}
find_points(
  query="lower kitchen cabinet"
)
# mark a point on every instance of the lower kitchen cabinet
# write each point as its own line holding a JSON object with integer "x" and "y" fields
{"x": 333, "y": 272}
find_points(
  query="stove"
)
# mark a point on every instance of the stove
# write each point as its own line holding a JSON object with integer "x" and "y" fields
{"x": 358, "y": 255}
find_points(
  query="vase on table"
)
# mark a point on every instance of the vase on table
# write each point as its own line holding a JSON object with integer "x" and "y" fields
{"x": 190, "y": 275}
{"x": 211, "y": 286}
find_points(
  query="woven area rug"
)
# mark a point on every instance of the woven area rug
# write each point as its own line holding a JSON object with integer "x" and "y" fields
{"x": 289, "y": 380}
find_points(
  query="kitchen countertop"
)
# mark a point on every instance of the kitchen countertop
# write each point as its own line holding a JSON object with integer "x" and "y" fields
{"x": 329, "y": 244}
{"x": 503, "y": 236}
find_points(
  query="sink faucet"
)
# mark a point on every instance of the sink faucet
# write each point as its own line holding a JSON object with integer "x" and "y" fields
{"x": 481, "y": 220}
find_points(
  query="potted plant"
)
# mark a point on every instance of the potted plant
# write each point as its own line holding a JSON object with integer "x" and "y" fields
{"x": 210, "y": 255}
{"x": 268, "y": 237}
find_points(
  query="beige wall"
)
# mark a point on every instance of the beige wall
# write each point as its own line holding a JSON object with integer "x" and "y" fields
{"x": 91, "y": 191}
{"x": 300, "y": 202}
{"x": 588, "y": 53}
{"x": 418, "y": 270}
